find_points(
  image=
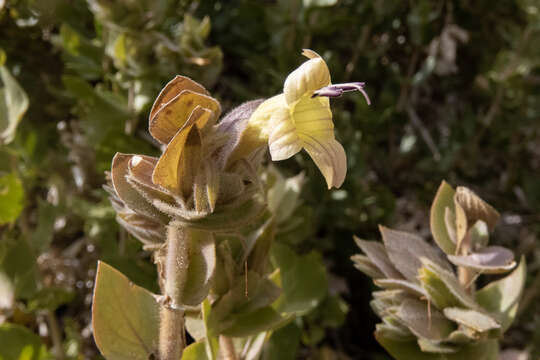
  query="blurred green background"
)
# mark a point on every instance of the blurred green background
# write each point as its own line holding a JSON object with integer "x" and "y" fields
{"x": 455, "y": 90}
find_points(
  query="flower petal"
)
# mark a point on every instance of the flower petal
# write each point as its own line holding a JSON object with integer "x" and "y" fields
{"x": 174, "y": 114}
{"x": 284, "y": 142}
{"x": 173, "y": 88}
{"x": 330, "y": 158}
{"x": 310, "y": 76}
{"x": 178, "y": 164}
{"x": 257, "y": 131}
{"x": 132, "y": 199}
{"x": 313, "y": 117}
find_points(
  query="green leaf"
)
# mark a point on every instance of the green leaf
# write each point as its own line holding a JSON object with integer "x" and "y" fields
{"x": 258, "y": 246}
{"x": 19, "y": 343}
{"x": 379, "y": 257}
{"x": 365, "y": 265}
{"x": 283, "y": 344}
{"x": 303, "y": 279}
{"x": 333, "y": 311}
{"x": 238, "y": 302}
{"x": 405, "y": 251}
{"x": 435, "y": 347}
{"x": 431, "y": 325}
{"x": 252, "y": 323}
{"x": 443, "y": 199}
{"x": 7, "y": 292}
{"x": 410, "y": 350}
{"x": 195, "y": 351}
{"x": 43, "y": 234}
{"x": 18, "y": 263}
{"x": 11, "y": 198}
{"x": 13, "y": 104}
{"x": 488, "y": 260}
{"x": 321, "y": 3}
{"x": 473, "y": 319}
{"x": 408, "y": 286}
{"x": 501, "y": 297}
{"x": 125, "y": 317}
{"x": 202, "y": 263}
{"x": 50, "y": 298}
{"x": 443, "y": 287}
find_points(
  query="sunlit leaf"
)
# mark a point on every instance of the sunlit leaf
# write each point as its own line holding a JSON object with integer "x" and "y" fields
{"x": 501, "y": 297}
{"x": 471, "y": 318}
{"x": 202, "y": 263}
{"x": 405, "y": 251}
{"x": 19, "y": 343}
{"x": 195, "y": 351}
{"x": 443, "y": 287}
{"x": 18, "y": 263}
{"x": 377, "y": 253}
{"x": 283, "y": 343}
{"x": 303, "y": 279}
{"x": 443, "y": 199}
{"x": 490, "y": 260}
{"x": 13, "y": 104}
{"x": 11, "y": 198}
{"x": 423, "y": 322}
{"x": 125, "y": 317}
{"x": 365, "y": 265}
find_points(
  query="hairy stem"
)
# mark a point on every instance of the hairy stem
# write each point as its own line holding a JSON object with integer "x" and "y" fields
{"x": 226, "y": 348}
{"x": 466, "y": 276}
{"x": 171, "y": 330}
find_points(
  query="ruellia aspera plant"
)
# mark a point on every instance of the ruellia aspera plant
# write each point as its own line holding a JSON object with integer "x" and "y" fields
{"x": 209, "y": 210}
{"x": 429, "y": 304}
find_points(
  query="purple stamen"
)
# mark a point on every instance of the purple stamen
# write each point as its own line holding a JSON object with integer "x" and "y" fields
{"x": 337, "y": 90}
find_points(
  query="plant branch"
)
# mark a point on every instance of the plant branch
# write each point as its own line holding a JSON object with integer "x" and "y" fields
{"x": 56, "y": 336}
{"x": 171, "y": 330}
{"x": 226, "y": 348}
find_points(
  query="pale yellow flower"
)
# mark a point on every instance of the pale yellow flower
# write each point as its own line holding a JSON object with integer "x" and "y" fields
{"x": 300, "y": 118}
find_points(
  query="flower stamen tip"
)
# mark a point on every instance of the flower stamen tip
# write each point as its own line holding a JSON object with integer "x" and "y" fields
{"x": 336, "y": 90}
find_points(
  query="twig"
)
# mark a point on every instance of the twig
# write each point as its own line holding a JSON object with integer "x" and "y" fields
{"x": 424, "y": 133}
{"x": 56, "y": 336}
{"x": 226, "y": 348}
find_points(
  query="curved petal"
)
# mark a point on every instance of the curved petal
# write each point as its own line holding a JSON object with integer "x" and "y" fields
{"x": 257, "y": 131}
{"x": 313, "y": 117}
{"x": 131, "y": 197}
{"x": 310, "y": 76}
{"x": 173, "y": 115}
{"x": 173, "y": 88}
{"x": 330, "y": 158}
{"x": 177, "y": 166}
{"x": 284, "y": 142}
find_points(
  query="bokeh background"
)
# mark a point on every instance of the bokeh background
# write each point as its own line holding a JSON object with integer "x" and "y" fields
{"x": 455, "y": 90}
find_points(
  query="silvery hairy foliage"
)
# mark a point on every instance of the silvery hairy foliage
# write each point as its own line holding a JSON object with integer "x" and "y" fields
{"x": 429, "y": 303}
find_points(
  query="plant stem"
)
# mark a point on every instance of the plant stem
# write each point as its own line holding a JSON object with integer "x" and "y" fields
{"x": 56, "y": 335}
{"x": 171, "y": 330}
{"x": 465, "y": 275}
{"x": 226, "y": 348}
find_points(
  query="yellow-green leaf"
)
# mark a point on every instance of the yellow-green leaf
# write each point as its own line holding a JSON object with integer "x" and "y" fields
{"x": 501, "y": 297}
{"x": 11, "y": 198}
{"x": 125, "y": 317}
{"x": 443, "y": 199}
{"x": 13, "y": 104}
